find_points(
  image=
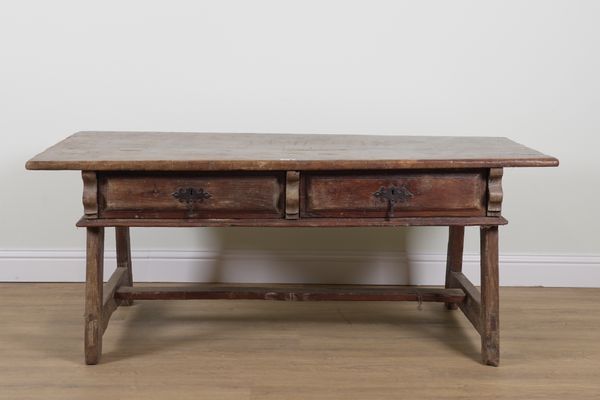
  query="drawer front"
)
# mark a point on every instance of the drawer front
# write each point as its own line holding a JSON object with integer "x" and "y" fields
{"x": 410, "y": 194}
{"x": 191, "y": 196}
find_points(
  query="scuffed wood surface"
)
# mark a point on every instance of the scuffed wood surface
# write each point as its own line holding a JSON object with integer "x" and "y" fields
{"x": 123, "y": 250}
{"x": 93, "y": 318}
{"x": 292, "y": 293}
{"x": 290, "y": 223}
{"x": 471, "y": 307}
{"x": 454, "y": 256}
{"x": 432, "y": 194}
{"x": 150, "y": 195}
{"x": 170, "y": 151}
{"x": 490, "y": 304}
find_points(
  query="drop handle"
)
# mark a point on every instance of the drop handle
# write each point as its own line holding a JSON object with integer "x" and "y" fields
{"x": 393, "y": 195}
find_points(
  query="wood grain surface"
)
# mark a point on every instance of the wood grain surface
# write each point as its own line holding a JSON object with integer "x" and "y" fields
{"x": 94, "y": 323}
{"x": 144, "y": 195}
{"x": 432, "y": 194}
{"x": 490, "y": 301}
{"x": 246, "y": 350}
{"x": 173, "y": 151}
{"x": 290, "y": 292}
{"x": 294, "y": 223}
{"x": 454, "y": 257}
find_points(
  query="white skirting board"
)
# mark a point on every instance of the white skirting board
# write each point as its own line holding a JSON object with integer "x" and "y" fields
{"x": 556, "y": 270}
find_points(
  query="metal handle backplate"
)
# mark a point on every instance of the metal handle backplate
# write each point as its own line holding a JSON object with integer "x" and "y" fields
{"x": 191, "y": 195}
{"x": 393, "y": 195}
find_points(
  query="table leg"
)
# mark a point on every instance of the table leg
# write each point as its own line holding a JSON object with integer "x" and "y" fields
{"x": 454, "y": 258}
{"x": 124, "y": 257}
{"x": 93, "y": 295}
{"x": 490, "y": 337}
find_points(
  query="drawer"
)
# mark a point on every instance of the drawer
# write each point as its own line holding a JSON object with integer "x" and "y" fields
{"x": 193, "y": 195}
{"x": 395, "y": 194}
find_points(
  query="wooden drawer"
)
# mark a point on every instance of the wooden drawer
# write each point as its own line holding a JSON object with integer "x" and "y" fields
{"x": 394, "y": 194}
{"x": 190, "y": 195}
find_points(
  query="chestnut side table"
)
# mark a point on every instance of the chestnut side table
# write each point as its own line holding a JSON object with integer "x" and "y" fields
{"x": 153, "y": 179}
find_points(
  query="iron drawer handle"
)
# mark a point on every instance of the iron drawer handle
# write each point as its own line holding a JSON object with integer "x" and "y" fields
{"x": 191, "y": 195}
{"x": 393, "y": 195}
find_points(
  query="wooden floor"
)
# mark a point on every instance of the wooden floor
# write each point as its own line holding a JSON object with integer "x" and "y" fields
{"x": 550, "y": 349}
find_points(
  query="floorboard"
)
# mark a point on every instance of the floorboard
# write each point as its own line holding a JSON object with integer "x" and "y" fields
{"x": 298, "y": 350}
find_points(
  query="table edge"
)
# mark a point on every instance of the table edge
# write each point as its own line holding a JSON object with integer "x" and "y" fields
{"x": 297, "y": 223}
{"x": 285, "y": 165}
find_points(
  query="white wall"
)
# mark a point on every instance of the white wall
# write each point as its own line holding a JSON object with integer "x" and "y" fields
{"x": 523, "y": 69}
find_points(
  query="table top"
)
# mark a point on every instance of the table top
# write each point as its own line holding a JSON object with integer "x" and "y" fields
{"x": 179, "y": 151}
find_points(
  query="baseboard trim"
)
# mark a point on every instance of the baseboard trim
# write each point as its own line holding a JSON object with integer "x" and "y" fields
{"x": 347, "y": 267}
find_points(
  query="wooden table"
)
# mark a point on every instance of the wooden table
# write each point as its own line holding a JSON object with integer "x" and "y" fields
{"x": 153, "y": 179}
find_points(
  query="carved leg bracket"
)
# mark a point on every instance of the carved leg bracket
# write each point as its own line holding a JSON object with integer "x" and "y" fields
{"x": 495, "y": 193}
{"x": 292, "y": 195}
